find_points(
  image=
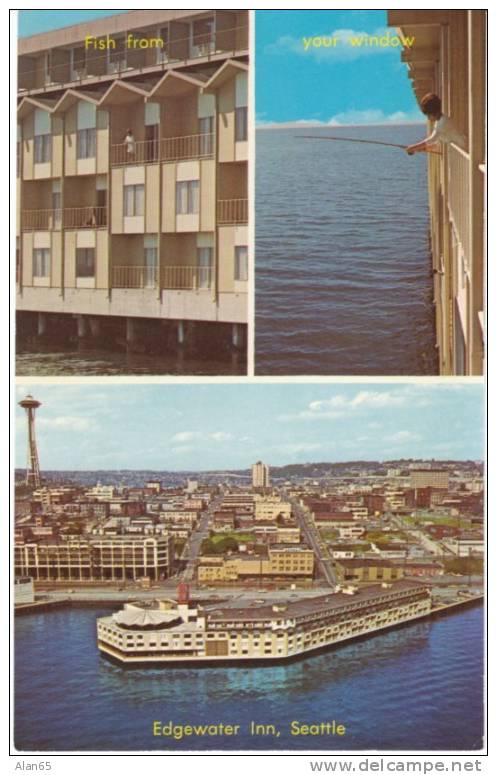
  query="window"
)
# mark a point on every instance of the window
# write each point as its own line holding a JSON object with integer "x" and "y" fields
{"x": 206, "y": 131}
{"x": 43, "y": 148}
{"x": 41, "y": 262}
{"x": 202, "y": 37}
{"x": 85, "y": 262}
{"x": 187, "y": 200}
{"x": 240, "y": 124}
{"x": 204, "y": 263}
{"x": 86, "y": 143}
{"x": 134, "y": 200}
{"x": 151, "y": 263}
{"x": 241, "y": 263}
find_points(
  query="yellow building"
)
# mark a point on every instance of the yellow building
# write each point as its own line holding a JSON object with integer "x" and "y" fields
{"x": 448, "y": 58}
{"x": 132, "y": 174}
{"x": 361, "y": 570}
{"x": 281, "y": 562}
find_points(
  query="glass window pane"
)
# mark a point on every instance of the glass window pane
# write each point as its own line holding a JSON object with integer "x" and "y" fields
{"x": 241, "y": 263}
{"x": 128, "y": 200}
{"x": 194, "y": 197}
{"x": 139, "y": 200}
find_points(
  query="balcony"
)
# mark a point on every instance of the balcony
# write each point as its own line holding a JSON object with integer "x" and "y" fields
{"x": 68, "y": 218}
{"x": 85, "y": 217}
{"x": 94, "y": 68}
{"x": 199, "y": 146}
{"x": 232, "y": 211}
{"x": 41, "y": 220}
{"x": 178, "y": 278}
{"x": 459, "y": 168}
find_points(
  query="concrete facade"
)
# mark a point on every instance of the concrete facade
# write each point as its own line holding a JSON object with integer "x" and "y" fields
{"x": 132, "y": 169}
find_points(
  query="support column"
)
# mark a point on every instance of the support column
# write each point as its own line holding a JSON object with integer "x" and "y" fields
{"x": 130, "y": 330}
{"x": 236, "y": 335}
{"x": 94, "y": 326}
{"x": 41, "y": 324}
{"x": 81, "y": 323}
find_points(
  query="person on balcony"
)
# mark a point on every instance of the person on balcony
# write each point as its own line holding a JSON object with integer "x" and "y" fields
{"x": 130, "y": 144}
{"x": 444, "y": 130}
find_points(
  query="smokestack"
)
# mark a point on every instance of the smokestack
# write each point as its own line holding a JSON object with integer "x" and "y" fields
{"x": 183, "y": 593}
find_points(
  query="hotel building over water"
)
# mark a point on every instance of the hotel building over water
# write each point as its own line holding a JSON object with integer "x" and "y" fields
{"x": 449, "y": 58}
{"x": 132, "y": 178}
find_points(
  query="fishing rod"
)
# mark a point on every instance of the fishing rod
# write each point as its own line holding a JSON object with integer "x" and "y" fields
{"x": 356, "y": 140}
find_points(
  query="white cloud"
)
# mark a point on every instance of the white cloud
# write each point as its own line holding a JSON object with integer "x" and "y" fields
{"x": 342, "y": 45}
{"x": 349, "y": 118}
{"x": 220, "y": 436}
{"x": 66, "y": 422}
{"x": 403, "y": 437}
{"x": 185, "y": 436}
{"x": 343, "y": 406}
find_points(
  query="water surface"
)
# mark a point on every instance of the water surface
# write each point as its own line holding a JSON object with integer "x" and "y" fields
{"x": 343, "y": 267}
{"x": 418, "y": 687}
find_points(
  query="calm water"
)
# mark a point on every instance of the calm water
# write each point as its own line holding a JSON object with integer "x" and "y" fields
{"x": 418, "y": 687}
{"x": 105, "y": 363}
{"x": 343, "y": 268}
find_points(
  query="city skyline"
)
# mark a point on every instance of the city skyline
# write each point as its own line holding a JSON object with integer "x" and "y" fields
{"x": 356, "y": 84}
{"x": 211, "y": 427}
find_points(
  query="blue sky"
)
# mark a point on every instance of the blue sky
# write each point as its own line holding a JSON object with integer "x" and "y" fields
{"x": 202, "y": 427}
{"x": 336, "y": 85}
{"x": 32, "y": 22}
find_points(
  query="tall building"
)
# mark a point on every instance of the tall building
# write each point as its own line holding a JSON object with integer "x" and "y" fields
{"x": 132, "y": 178}
{"x": 260, "y": 475}
{"x": 33, "y": 477}
{"x": 449, "y": 58}
{"x": 429, "y": 477}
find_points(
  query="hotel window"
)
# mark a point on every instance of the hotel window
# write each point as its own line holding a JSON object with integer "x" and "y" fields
{"x": 187, "y": 197}
{"x": 87, "y": 143}
{"x": 202, "y": 37}
{"x": 78, "y": 62}
{"x": 134, "y": 200}
{"x": 85, "y": 262}
{"x": 241, "y": 263}
{"x": 41, "y": 262}
{"x": 162, "y": 51}
{"x": 43, "y": 148}
{"x": 241, "y": 124}
{"x": 117, "y": 56}
{"x": 204, "y": 267}
{"x": 56, "y": 205}
{"x": 206, "y": 131}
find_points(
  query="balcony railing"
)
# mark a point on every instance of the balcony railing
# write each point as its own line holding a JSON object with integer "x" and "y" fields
{"x": 85, "y": 217}
{"x": 230, "y": 211}
{"x": 188, "y": 147}
{"x": 167, "y": 149}
{"x": 459, "y": 175}
{"x": 41, "y": 220}
{"x": 190, "y": 278}
{"x": 69, "y": 218}
{"x": 98, "y": 67}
